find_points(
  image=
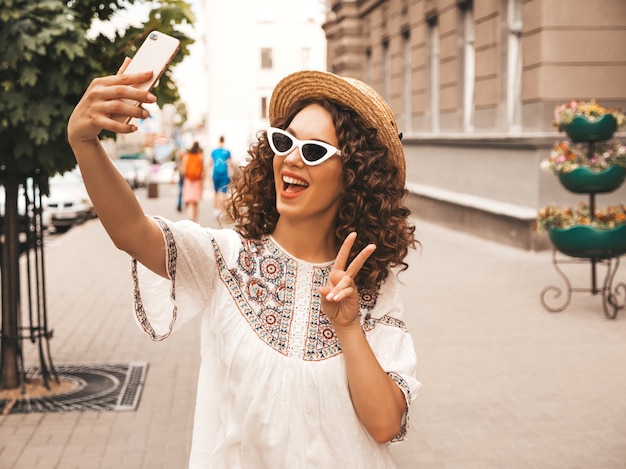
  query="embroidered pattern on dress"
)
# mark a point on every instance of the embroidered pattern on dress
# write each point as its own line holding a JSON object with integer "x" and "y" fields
{"x": 404, "y": 386}
{"x": 278, "y": 297}
{"x": 171, "y": 271}
{"x": 370, "y": 323}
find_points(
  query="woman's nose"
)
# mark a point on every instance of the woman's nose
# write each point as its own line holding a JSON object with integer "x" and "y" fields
{"x": 293, "y": 157}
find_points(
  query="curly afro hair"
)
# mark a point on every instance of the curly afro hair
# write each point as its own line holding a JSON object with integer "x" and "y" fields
{"x": 373, "y": 203}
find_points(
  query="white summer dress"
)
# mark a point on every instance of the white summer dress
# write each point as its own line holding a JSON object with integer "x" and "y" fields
{"x": 272, "y": 386}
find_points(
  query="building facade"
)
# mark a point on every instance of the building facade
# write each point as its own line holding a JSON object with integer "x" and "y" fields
{"x": 473, "y": 85}
{"x": 250, "y": 46}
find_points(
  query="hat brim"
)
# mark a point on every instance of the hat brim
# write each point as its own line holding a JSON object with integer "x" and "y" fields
{"x": 314, "y": 84}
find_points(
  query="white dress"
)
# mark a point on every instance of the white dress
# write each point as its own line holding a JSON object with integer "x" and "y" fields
{"x": 272, "y": 387}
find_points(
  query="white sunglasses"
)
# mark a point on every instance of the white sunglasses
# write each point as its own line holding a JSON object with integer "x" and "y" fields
{"x": 312, "y": 152}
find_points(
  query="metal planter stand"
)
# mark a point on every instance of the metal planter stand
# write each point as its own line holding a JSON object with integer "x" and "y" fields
{"x": 608, "y": 255}
{"x": 613, "y": 296}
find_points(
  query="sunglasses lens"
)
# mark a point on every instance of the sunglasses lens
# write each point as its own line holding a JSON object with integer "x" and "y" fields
{"x": 312, "y": 152}
{"x": 282, "y": 143}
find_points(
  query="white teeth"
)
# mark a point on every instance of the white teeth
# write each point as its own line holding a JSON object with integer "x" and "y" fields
{"x": 297, "y": 182}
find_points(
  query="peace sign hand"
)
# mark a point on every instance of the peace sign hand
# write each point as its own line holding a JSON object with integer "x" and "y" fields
{"x": 340, "y": 296}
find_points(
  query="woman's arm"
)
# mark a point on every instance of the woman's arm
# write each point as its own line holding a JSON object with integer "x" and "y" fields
{"x": 379, "y": 402}
{"x": 114, "y": 201}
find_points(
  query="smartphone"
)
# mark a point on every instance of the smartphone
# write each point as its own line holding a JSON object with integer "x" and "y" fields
{"x": 156, "y": 52}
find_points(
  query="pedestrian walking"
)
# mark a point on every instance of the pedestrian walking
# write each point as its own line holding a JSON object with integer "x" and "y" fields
{"x": 220, "y": 169}
{"x": 193, "y": 182}
{"x": 306, "y": 361}
{"x": 181, "y": 179}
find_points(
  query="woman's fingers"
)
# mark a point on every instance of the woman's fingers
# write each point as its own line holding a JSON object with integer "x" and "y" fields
{"x": 342, "y": 290}
{"x": 107, "y": 104}
{"x": 344, "y": 279}
{"x": 340, "y": 299}
{"x": 102, "y": 121}
{"x": 124, "y": 65}
{"x": 344, "y": 252}
{"x": 126, "y": 107}
{"x": 119, "y": 96}
{"x": 121, "y": 87}
{"x": 359, "y": 260}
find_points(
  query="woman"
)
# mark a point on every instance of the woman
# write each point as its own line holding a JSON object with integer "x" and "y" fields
{"x": 193, "y": 180}
{"x": 305, "y": 359}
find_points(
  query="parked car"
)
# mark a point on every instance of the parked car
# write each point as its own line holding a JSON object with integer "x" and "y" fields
{"x": 128, "y": 170}
{"x": 166, "y": 173}
{"x": 135, "y": 169}
{"x": 143, "y": 170}
{"x": 68, "y": 203}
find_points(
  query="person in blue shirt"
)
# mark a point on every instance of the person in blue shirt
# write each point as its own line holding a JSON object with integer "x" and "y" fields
{"x": 221, "y": 161}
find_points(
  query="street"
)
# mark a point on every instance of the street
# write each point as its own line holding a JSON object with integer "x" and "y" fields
{"x": 506, "y": 384}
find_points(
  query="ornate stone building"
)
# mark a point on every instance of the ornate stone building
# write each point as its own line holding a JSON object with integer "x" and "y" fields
{"x": 474, "y": 85}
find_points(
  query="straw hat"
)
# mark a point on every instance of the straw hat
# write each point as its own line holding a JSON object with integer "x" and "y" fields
{"x": 349, "y": 92}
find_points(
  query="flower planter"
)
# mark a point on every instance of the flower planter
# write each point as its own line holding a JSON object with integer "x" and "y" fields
{"x": 585, "y": 180}
{"x": 589, "y": 242}
{"x": 582, "y": 129}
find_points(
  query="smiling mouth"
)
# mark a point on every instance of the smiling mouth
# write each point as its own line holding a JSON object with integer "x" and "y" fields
{"x": 291, "y": 185}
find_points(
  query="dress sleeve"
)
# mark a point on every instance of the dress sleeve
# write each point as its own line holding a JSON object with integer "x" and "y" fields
{"x": 162, "y": 305}
{"x": 393, "y": 345}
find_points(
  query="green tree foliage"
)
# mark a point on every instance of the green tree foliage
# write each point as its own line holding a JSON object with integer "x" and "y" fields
{"x": 47, "y": 59}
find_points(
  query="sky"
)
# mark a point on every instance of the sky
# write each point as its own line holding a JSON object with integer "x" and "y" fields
{"x": 190, "y": 74}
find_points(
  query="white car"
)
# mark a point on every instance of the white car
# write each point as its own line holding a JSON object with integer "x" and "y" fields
{"x": 143, "y": 170}
{"x": 68, "y": 203}
{"x": 166, "y": 173}
{"x": 136, "y": 171}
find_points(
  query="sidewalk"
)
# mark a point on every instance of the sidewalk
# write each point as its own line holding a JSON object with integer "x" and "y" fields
{"x": 506, "y": 384}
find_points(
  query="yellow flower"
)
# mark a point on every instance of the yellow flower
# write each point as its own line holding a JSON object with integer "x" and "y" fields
{"x": 564, "y": 114}
{"x": 552, "y": 216}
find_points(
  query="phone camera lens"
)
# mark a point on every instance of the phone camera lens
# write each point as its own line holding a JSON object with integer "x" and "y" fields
{"x": 153, "y": 36}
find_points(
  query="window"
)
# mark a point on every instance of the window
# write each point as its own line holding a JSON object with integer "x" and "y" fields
{"x": 311, "y": 11}
{"x": 266, "y": 58}
{"x": 386, "y": 71}
{"x": 514, "y": 65}
{"x": 305, "y": 58}
{"x": 469, "y": 68}
{"x": 264, "y": 107}
{"x": 368, "y": 66}
{"x": 407, "y": 82}
{"x": 267, "y": 11}
{"x": 433, "y": 45}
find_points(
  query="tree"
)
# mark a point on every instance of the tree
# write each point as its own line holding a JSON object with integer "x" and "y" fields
{"x": 47, "y": 60}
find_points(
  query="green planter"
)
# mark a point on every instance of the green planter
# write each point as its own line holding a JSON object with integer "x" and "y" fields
{"x": 581, "y": 129}
{"x": 590, "y": 242}
{"x": 585, "y": 180}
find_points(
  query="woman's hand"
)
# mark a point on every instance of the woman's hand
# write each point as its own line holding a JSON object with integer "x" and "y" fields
{"x": 340, "y": 296}
{"x": 377, "y": 399}
{"x": 101, "y": 107}
{"x": 102, "y": 104}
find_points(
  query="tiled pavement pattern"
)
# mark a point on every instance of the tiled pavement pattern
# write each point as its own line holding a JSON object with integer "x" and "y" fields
{"x": 506, "y": 384}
